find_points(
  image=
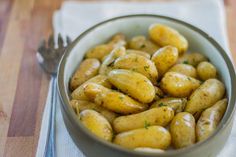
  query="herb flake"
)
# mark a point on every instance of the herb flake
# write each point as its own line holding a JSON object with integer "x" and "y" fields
{"x": 146, "y": 124}
{"x": 185, "y": 62}
{"x": 161, "y": 104}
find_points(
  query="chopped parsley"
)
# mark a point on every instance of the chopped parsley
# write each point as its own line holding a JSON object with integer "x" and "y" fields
{"x": 121, "y": 97}
{"x": 188, "y": 78}
{"x": 146, "y": 124}
{"x": 143, "y": 46}
{"x": 185, "y": 62}
{"x": 161, "y": 104}
{"x": 146, "y": 67}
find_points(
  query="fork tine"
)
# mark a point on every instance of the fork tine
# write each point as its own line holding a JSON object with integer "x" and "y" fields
{"x": 60, "y": 41}
{"x": 51, "y": 43}
{"x": 68, "y": 40}
{"x": 42, "y": 46}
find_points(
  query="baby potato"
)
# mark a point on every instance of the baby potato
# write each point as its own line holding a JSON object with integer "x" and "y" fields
{"x": 143, "y": 44}
{"x": 149, "y": 150}
{"x": 153, "y": 136}
{"x": 138, "y": 64}
{"x": 178, "y": 85}
{"x": 156, "y": 116}
{"x": 86, "y": 70}
{"x": 107, "y": 64}
{"x": 182, "y": 129}
{"x": 80, "y": 105}
{"x": 206, "y": 70}
{"x": 177, "y": 104}
{"x": 185, "y": 69}
{"x": 165, "y": 58}
{"x": 132, "y": 83}
{"x": 205, "y": 96}
{"x": 91, "y": 90}
{"x": 97, "y": 124}
{"x": 164, "y": 35}
{"x": 78, "y": 93}
{"x": 118, "y": 40}
{"x": 210, "y": 119}
{"x": 193, "y": 58}
{"x": 141, "y": 53}
{"x": 99, "y": 51}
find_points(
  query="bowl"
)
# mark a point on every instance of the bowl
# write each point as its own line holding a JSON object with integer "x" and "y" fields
{"x": 132, "y": 25}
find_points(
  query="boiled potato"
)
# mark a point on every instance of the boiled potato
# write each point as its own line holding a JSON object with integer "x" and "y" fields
{"x": 107, "y": 64}
{"x": 182, "y": 129}
{"x": 205, "y": 96}
{"x": 138, "y": 64}
{"x": 210, "y": 119}
{"x": 185, "y": 69}
{"x": 192, "y": 58}
{"x": 178, "y": 85}
{"x": 97, "y": 124}
{"x": 155, "y": 116}
{"x": 80, "y": 105}
{"x": 143, "y": 44}
{"x": 149, "y": 150}
{"x": 113, "y": 100}
{"x": 206, "y": 70}
{"x": 132, "y": 83}
{"x": 86, "y": 70}
{"x": 165, "y": 58}
{"x": 164, "y": 35}
{"x": 78, "y": 93}
{"x": 118, "y": 40}
{"x": 99, "y": 51}
{"x": 138, "y": 52}
{"x": 177, "y": 104}
{"x": 153, "y": 136}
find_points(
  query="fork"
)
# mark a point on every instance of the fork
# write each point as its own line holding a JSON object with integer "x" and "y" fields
{"x": 48, "y": 56}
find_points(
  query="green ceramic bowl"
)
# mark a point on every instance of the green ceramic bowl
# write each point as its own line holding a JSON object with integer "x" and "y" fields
{"x": 132, "y": 25}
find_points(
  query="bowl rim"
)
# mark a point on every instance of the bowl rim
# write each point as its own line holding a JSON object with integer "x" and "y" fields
{"x": 72, "y": 116}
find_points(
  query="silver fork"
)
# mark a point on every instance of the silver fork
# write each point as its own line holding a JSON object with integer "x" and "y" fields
{"x": 48, "y": 56}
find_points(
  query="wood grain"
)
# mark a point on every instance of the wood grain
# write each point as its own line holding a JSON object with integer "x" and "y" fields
{"x": 23, "y": 23}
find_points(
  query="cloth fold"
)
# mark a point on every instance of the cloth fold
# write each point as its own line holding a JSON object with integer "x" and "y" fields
{"x": 75, "y": 17}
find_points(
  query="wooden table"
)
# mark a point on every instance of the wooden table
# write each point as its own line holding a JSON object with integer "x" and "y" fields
{"x": 23, "y": 85}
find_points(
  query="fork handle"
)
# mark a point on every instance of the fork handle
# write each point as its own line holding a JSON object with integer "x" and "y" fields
{"x": 50, "y": 143}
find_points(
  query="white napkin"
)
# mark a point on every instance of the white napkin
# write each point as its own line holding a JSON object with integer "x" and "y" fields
{"x": 75, "y": 17}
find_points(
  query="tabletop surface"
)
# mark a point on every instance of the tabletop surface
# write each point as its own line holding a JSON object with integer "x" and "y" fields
{"x": 23, "y": 23}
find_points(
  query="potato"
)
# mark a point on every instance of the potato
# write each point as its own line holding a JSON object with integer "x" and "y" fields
{"x": 164, "y": 35}
{"x": 182, "y": 129}
{"x": 97, "y": 124}
{"x": 156, "y": 116}
{"x": 159, "y": 93}
{"x": 177, "y": 104}
{"x": 99, "y": 51}
{"x": 149, "y": 150}
{"x": 153, "y": 136}
{"x": 185, "y": 69}
{"x": 205, "y": 96}
{"x": 210, "y": 119}
{"x": 178, "y": 85}
{"x": 118, "y": 40}
{"x": 206, "y": 70}
{"x": 193, "y": 58}
{"x": 78, "y": 93}
{"x": 138, "y": 64}
{"x": 143, "y": 44}
{"x": 165, "y": 58}
{"x": 80, "y": 105}
{"x": 86, "y": 70}
{"x": 113, "y": 100}
{"x": 107, "y": 64}
{"x": 132, "y": 83}
{"x": 141, "y": 53}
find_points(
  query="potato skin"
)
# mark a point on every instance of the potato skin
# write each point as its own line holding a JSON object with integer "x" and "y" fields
{"x": 86, "y": 70}
{"x": 153, "y": 136}
{"x": 210, "y": 119}
{"x": 206, "y": 70}
{"x": 97, "y": 124}
{"x": 106, "y": 66}
{"x": 177, "y": 104}
{"x": 138, "y": 52}
{"x": 205, "y": 96}
{"x": 157, "y": 116}
{"x": 80, "y": 105}
{"x": 99, "y": 51}
{"x": 149, "y": 150}
{"x": 143, "y": 44}
{"x": 138, "y": 64}
{"x": 185, "y": 69}
{"x": 117, "y": 40}
{"x": 182, "y": 129}
{"x": 78, "y": 93}
{"x": 165, "y": 58}
{"x": 164, "y": 35}
{"x": 193, "y": 58}
{"x": 178, "y": 85}
{"x": 132, "y": 83}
